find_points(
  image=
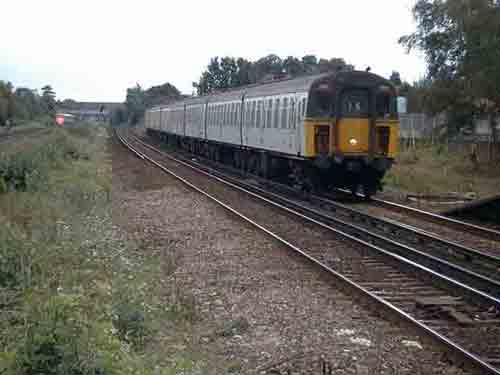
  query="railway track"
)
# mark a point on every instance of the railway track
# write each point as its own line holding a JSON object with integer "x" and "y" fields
{"x": 462, "y": 226}
{"x": 452, "y": 314}
{"x": 478, "y": 268}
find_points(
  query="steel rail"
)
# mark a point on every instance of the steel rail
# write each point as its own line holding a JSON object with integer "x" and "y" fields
{"x": 467, "y": 358}
{"x": 486, "y": 286}
{"x": 439, "y": 219}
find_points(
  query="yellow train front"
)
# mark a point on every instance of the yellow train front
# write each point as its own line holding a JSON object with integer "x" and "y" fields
{"x": 351, "y": 131}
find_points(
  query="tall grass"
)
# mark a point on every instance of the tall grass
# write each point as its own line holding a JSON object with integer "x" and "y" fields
{"x": 432, "y": 169}
{"x": 59, "y": 264}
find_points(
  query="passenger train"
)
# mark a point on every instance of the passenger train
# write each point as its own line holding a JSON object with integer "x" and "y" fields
{"x": 317, "y": 132}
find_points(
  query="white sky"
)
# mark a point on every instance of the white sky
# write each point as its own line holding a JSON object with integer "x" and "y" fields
{"x": 93, "y": 50}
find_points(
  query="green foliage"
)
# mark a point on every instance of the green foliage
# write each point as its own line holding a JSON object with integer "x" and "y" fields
{"x": 461, "y": 41}
{"x": 54, "y": 342}
{"x": 48, "y": 99}
{"x": 135, "y": 103}
{"x": 28, "y": 170}
{"x": 137, "y": 100}
{"x": 16, "y": 260}
{"x": 22, "y": 103}
{"x": 229, "y": 72}
{"x": 129, "y": 318}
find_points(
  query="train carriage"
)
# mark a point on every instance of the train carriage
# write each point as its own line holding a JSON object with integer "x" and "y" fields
{"x": 320, "y": 131}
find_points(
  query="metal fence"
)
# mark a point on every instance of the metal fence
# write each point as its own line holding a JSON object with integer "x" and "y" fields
{"x": 418, "y": 125}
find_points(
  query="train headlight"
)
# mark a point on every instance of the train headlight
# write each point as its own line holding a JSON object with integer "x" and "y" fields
{"x": 353, "y": 141}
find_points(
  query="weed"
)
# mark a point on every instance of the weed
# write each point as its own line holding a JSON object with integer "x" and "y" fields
{"x": 129, "y": 318}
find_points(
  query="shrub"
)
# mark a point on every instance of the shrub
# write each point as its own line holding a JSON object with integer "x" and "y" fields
{"x": 16, "y": 261}
{"x": 129, "y": 319}
{"x": 56, "y": 341}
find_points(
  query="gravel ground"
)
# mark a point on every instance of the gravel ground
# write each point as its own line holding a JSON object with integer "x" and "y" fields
{"x": 259, "y": 307}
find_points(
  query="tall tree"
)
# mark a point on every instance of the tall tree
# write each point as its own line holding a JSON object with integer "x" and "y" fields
{"x": 161, "y": 94}
{"x": 135, "y": 103}
{"x": 461, "y": 42}
{"x": 229, "y": 72}
{"x": 6, "y": 101}
{"x": 48, "y": 99}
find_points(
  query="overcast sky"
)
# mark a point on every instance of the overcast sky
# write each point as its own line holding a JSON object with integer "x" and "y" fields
{"x": 93, "y": 50}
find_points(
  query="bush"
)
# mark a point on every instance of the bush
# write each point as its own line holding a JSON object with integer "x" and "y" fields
{"x": 58, "y": 341}
{"x": 129, "y": 319}
{"x": 16, "y": 260}
{"x": 28, "y": 170}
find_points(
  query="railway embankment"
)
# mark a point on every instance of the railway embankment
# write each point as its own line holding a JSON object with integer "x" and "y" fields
{"x": 439, "y": 178}
{"x": 65, "y": 302}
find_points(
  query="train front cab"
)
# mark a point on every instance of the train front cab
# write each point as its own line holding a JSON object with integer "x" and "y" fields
{"x": 352, "y": 134}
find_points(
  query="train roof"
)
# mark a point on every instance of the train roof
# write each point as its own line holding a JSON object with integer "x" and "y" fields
{"x": 301, "y": 84}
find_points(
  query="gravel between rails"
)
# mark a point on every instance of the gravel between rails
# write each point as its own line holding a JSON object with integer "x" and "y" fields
{"x": 237, "y": 272}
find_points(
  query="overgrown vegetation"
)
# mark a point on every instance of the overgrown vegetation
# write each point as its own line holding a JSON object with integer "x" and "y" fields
{"x": 21, "y": 105}
{"x": 461, "y": 42}
{"x": 436, "y": 169}
{"x": 71, "y": 299}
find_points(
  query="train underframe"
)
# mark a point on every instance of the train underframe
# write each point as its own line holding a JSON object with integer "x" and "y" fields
{"x": 321, "y": 174}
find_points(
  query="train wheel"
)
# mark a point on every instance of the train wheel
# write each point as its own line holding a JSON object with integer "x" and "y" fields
{"x": 368, "y": 191}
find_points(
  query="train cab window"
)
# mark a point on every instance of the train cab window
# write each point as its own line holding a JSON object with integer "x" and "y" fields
{"x": 355, "y": 103}
{"x": 284, "y": 109}
{"x": 321, "y": 101}
{"x": 386, "y": 103}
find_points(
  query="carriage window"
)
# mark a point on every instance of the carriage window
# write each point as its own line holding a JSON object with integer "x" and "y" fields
{"x": 283, "y": 113}
{"x": 276, "y": 113}
{"x": 234, "y": 107}
{"x": 254, "y": 105}
{"x": 238, "y": 114}
{"x": 233, "y": 114}
{"x": 355, "y": 103}
{"x": 258, "y": 120}
{"x": 269, "y": 113}
{"x": 249, "y": 114}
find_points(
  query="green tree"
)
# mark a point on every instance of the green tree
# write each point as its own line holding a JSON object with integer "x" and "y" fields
{"x": 27, "y": 103}
{"x": 461, "y": 42}
{"x": 48, "y": 99}
{"x": 135, "y": 103}
{"x": 231, "y": 72}
{"x": 7, "y": 101}
{"x": 161, "y": 94}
